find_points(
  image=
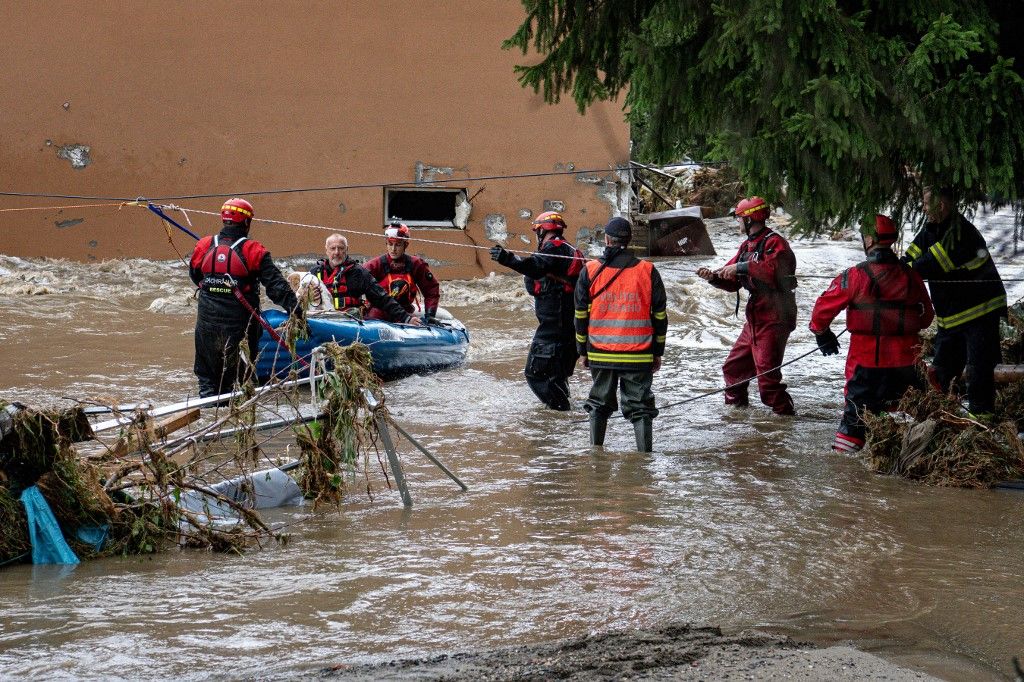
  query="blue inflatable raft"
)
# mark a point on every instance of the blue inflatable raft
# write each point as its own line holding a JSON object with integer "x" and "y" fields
{"x": 397, "y": 349}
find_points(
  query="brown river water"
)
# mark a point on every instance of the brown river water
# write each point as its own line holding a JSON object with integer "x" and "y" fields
{"x": 739, "y": 519}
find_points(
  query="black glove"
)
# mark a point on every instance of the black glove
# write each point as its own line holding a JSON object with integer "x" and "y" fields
{"x": 428, "y": 316}
{"x": 828, "y": 344}
{"x": 499, "y": 254}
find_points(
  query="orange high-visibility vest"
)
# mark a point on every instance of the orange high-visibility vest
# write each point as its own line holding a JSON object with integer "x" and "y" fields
{"x": 620, "y": 315}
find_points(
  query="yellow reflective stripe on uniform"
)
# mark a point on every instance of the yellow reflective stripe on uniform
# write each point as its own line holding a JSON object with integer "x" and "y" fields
{"x": 582, "y": 314}
{"x": 620, "y": 357}
{"x": 942, "y": 257}
{"x": 972, "y": 313}
{"x": 914, "y": 251}
{"x": 659, "y": 339}
{"x": 977, "y": 262}
{"x": 580, "y": 338}
{"x": 660, "y": 316}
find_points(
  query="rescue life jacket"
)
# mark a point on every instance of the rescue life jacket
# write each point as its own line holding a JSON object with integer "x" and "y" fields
{"x": 400, "y": 285}
{"x": 620, "y": 309}
{"x": 223, "y": 263}
{"x": 337, "y": 282}
{"x": 568, "y": 280}
{"x": 756, "y": 254}
{"x": 882, "y": 310}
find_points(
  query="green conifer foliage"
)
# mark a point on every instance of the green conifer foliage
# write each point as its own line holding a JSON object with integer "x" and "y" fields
{"x": 838, "y": 108}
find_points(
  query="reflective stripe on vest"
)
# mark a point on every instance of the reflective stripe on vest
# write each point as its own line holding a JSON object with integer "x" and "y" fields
{"x": 620, "y": 316}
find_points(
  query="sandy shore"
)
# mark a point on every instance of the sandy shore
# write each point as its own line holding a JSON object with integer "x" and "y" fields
{"x": 676, "y": 652}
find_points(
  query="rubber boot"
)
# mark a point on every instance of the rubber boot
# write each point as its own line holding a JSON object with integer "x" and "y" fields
{"x": 644, "y": 430}
{"x": 598, "y": 424}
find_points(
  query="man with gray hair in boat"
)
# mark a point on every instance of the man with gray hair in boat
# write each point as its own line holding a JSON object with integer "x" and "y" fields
{"x": 349, "y": 283}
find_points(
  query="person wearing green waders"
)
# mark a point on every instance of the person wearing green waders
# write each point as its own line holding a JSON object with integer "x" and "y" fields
{"x": 621, "y": 326}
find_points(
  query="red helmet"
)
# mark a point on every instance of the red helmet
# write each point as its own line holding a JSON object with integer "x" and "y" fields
{"x": 549, "y": 221}
{"x": 237, "y": 210}
{"x": 397, "y": 231}
{"x": 883, "y": 231}
{"x": 754, "y": 208}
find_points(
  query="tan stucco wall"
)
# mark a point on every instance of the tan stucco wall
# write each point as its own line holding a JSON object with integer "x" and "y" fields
{"x": 225, "y": 97}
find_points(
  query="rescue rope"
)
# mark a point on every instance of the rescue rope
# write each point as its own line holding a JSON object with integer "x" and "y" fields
{"x": 726, "y": 388}
{"x": 328, "y": 228}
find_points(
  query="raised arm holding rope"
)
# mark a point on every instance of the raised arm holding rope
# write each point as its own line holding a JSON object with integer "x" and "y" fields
{"x": 550, "y": 277}
{"x": 765, "y": 266}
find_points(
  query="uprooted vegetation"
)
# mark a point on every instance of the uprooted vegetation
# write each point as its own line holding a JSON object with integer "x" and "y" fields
{"x": 717, "y": 189}
{"x": 130, "y": 489}
{"x": 931, "y": 439}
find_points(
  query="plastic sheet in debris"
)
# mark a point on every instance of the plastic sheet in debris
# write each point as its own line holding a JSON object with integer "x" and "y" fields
{"x": 261, "y": 490}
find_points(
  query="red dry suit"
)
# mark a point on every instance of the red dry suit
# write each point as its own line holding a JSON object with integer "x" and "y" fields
{"x": 766, "y": 268}
{"x": 887, "y": 306}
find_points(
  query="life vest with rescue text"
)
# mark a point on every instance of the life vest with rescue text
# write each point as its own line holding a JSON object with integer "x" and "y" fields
{"x": 221, "y": 263}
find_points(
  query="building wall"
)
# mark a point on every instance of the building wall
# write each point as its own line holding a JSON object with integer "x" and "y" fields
{"x": 225, "y": 97}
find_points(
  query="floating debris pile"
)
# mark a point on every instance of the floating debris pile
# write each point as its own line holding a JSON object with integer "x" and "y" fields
{"x": 930, "y": 437}
{"x": 930, "y": 440}
{"x": 138, "y": 493}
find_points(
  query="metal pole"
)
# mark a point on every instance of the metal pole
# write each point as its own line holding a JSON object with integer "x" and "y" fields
{"x": 396, "y": 466}
{"x": 433, "y": 459}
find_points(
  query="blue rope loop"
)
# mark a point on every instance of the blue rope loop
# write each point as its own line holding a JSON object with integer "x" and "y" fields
{"x": 159, "y": 211}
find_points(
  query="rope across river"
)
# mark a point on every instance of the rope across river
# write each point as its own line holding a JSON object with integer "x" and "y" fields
{"x": 726, "y": 388}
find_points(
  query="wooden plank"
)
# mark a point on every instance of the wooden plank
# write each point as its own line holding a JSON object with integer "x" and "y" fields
{"x": 1006, "y": 374}
{"x": 157, "y": 431}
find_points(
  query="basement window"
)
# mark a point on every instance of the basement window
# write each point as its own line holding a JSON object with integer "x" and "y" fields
{"x": 423, "y": 207}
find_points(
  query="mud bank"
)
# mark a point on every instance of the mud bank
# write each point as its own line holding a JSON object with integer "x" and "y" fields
{"x": 674, "y": 652}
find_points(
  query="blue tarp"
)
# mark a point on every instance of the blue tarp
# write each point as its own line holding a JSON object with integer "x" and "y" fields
{"x": 48, "y": 544}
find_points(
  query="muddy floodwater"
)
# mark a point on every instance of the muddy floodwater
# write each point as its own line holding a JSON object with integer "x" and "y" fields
{"x": 739, "y": 518}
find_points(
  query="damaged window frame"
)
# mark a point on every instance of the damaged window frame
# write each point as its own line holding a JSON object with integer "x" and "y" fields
{"x": 459, "y": 196}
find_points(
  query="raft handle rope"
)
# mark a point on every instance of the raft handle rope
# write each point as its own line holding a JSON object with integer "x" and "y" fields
{"x": 726, "y": 388}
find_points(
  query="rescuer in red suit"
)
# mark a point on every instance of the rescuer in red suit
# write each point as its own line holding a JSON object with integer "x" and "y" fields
{"x": 228, "y": 267}
{"x": 765, "y": 266}
{"x": 886, "y": 306}
{"x": 402, "y": 276}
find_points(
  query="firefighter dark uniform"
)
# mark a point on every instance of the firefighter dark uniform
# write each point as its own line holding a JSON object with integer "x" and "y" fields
{"x": 402, "y": 279}
{"x": 969, "y": 299}
{"x": 349, "y": 282}
{"x": 550, "y": 277}
{"x": 765, "y": 267}
{"x": 887, "y": 306}
{"x": 220, "y": 266}
{"x": 621, "y": 325}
